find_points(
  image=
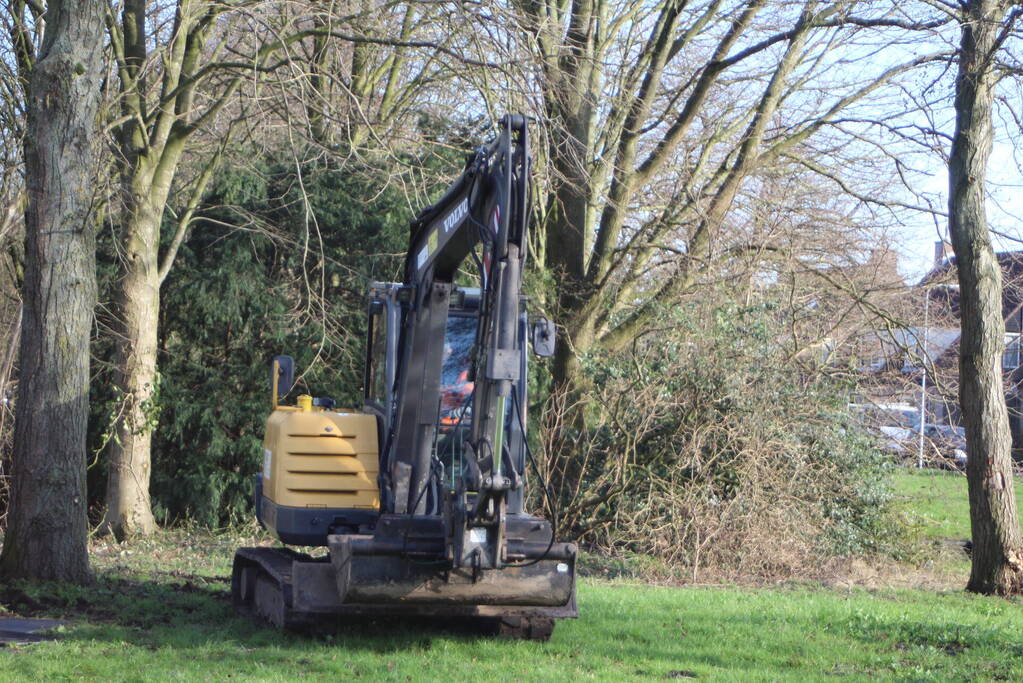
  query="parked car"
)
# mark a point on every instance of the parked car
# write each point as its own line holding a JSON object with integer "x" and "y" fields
{"x": 948, "y": 443}
{"x": 897, "y": 426}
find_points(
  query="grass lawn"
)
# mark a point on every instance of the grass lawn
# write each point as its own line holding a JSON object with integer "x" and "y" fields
{"x": 160, "y": 611}
{"x": 937, "y": 501}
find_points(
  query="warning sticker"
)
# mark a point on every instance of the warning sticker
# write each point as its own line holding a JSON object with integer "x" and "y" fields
{"x": 267, "y": 461}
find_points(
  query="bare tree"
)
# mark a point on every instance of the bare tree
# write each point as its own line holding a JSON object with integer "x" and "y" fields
{"x": 658, "y": 115}
{"x": 47, "y": 531}
{"x": 997, "y": 545}
{"x": 16, "y": 40}
{"x": 337, "y": 71}
{"x": 166, "y": 97}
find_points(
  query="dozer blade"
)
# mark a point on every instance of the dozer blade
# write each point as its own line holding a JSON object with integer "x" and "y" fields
{"x": 365, "y": 577}
{"x": 294, "y": 591}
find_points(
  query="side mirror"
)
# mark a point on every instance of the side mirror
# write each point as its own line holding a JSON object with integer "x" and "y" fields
{"x": 542, "y": 334}
{"x": 282, "y": 375}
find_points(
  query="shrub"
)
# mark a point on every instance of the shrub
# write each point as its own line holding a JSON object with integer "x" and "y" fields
{"x": 707, "y": 445}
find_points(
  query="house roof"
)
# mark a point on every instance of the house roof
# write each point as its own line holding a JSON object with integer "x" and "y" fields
{"x": 933, "y": 341}
{"x": 947, "y": 297}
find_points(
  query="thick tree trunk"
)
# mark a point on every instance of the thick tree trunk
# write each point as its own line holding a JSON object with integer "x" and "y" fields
{"x": 149, "y": 160}
{"x": 47, "y": 532}
{"x": 997, "y": 549}
{"x": 129, "y": 512}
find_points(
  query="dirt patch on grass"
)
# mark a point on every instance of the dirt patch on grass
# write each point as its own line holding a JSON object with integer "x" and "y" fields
{"x": 866, "y": 574}
{"x": 115, "y": 597}
{"x": 947, "y": 569}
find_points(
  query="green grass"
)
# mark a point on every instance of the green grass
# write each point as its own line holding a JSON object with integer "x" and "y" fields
{"x": 159, "y": 611}
{"x": 937, "y": 502}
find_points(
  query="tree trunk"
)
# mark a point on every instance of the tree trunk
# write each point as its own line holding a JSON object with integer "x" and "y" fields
{"x": 129, "y": 512}
{"x": 149, "y": 159}
{"x": 997, "y": 551}
{"x": 570, "y": 92}
{"x": 47, "y": 533}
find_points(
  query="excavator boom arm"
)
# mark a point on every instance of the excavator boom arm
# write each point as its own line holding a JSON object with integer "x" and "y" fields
{"x": 487, "y": 205}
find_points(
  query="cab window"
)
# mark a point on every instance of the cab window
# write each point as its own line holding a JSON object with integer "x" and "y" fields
{"x": 376, "y": 385}
{"x": 455, "y": 387}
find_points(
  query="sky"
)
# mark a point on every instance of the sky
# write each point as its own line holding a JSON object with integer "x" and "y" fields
{"x": 916, "y": 242}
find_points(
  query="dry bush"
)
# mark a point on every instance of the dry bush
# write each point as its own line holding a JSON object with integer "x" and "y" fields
{"x": 705, "y": 446}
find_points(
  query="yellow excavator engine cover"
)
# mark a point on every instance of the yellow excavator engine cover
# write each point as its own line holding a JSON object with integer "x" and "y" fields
{"x": 317, "y": 460}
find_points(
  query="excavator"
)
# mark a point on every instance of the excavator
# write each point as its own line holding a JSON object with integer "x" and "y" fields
{"x": 419, "y": 498}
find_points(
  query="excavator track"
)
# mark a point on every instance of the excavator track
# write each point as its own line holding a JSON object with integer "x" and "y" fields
{"x": 520, "y": 628}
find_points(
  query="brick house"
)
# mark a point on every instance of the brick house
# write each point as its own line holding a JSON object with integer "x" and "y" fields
{"x": 939, "y": 292}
